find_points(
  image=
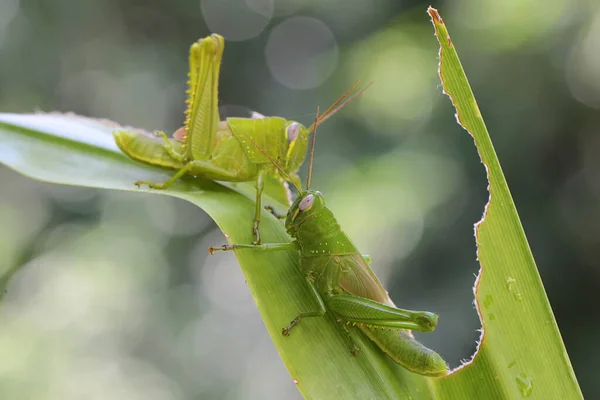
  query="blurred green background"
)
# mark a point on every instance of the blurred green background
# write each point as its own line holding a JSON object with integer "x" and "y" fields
{"x": 117, "y": 297}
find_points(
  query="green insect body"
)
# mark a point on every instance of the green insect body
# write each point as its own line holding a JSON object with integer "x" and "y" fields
{"x": 220, "y": 150}
{"x": 246, "y": 166}
{"x": 342, "y": 282}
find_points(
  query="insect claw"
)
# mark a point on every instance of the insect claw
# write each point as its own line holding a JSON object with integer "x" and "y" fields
{"x": 225, "y": 247}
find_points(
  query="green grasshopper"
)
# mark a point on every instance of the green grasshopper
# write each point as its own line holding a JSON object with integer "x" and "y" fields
{"x": 342, "y": 282}
{"x": 221, "y": 150}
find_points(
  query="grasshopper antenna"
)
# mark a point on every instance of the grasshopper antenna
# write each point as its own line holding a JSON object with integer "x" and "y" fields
{"x": 285, "y": 175}
{"x": 312, "y": 149}
{"x": 339, "y": 104}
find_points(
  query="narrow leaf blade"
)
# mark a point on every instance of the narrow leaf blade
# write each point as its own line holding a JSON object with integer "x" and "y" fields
{"x": 521, "y": 353}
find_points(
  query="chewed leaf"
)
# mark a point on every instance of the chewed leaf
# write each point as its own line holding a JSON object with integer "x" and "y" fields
{"x": 521, "y": 353}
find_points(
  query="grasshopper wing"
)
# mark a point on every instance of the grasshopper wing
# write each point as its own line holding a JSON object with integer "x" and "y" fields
{"x": 358, "y": 279}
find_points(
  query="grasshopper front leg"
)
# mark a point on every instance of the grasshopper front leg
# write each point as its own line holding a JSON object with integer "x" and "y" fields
{"x": 279, "y": 247}
{"x": 260, "y": 186}
{"x": 260, "y": 247}
{"x": 274, "y": 212}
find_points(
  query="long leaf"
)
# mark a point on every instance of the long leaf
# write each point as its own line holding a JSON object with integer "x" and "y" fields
{"x": 521, "y": 353}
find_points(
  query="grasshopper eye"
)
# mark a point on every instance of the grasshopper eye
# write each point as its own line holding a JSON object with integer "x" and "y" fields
{"x": 306, "y": 202}
{"x": 292, "y": 131}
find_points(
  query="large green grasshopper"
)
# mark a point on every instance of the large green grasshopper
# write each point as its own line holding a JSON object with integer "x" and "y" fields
{"x": 342, "y": 282}
{"x": 221, "y": 150}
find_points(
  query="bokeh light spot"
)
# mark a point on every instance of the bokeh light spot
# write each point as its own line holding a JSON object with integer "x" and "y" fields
{"x": 8, "y": 11}
{"x": 583, "y": 66}
{"x": 302, "y": 53}
{"x": 237, "y": 20}
{"x": 404, "y": 80}
{"x": 509, "y": 24}
{"x": 288, "y": 7}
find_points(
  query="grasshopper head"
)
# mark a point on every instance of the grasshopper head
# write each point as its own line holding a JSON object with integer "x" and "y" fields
{"x": 306, "y": 205}
{"x": 297, "y": 136}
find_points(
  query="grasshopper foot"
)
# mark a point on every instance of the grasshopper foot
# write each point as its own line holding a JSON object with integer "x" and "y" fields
{"x": 286, "y": 331}
{"x": 225, "y": 247}
{"x": 151, "y": 185}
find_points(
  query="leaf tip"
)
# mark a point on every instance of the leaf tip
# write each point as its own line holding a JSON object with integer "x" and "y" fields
{"x": 435, "y": 15}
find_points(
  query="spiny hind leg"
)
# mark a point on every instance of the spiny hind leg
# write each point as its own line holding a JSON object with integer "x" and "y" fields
{"x": 361, "y": 311}
{"x": 354, "y": 349}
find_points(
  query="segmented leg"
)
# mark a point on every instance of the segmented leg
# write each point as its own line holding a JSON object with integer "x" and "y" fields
{"x": 274, "y": 212}
{"x": 262, "y": 247}
{"x": 260, "y": 185}
{"x": 319, "y": 313}
{"x": 361, "y": 311}
{"x": 161, "y": 186}
{"x": 354, "y": 349}
{"x": 198, "y": 167}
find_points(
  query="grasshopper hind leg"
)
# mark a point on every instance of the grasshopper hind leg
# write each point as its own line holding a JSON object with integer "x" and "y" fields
{"x": 319, "y": 313}
{"x": 354, "y": 349}
{"x": 286, "y": 331}
{"x": 169, "y": 182}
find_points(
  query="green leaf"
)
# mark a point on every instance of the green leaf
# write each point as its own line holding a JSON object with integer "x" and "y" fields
{"x": 73, "y": 150}
{"x": 521, "y": 354}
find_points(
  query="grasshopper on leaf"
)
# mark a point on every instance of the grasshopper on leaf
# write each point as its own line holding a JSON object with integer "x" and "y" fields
{"x": 222, "y": 150}
{"x": 342, "y": 282}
